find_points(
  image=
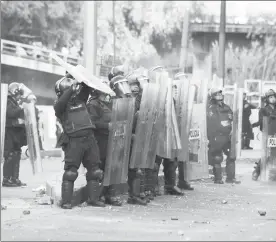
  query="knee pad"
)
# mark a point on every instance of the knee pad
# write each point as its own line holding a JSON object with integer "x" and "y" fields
{"x": 95, "y": 175}
{"x": 70, "y": 175}
{"x": 218, "y": 159}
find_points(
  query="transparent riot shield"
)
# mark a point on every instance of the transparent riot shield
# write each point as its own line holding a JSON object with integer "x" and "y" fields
{"x": 144, "y": 127}
{"x": 82, "y": 74}
{"x": 119, "y": 141}
{"x": 166, "y": 131}
{"x": 268, "y": 158}
{"x": 4, "y": 96}
{"x": 32, "y": 136}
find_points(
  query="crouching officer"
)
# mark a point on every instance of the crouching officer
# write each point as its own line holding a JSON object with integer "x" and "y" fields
{"x": 15, "y": 137}
{"x": 78, "y": 141}
{"x": 269, "y": 110}
{"x": 100, "y": 109}
{"x": 219, "y": 127}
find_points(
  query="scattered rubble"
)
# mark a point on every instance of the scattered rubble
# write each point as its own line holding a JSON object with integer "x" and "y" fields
{"x": 26, "y": 212}
{"x": 262, "y": 213}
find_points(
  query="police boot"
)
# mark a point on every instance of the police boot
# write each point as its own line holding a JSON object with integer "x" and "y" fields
{"x": 134, "y": 189}
{"x": 217, "y": 174}
{"x": 7, "y": 171}
{"x": 94, "y": 191}
{"x": 16, "y": 169}
{"x": 142, "y": 176}
{"x": 156, "y": 186}
{"x": 111, "y": 197}
{"x": 104, "y": 194}
{"x": 67, "y": 188}
{"x": 230, "y": 172}
{"x": 149, "y": 184}
{"x": 182, "y": 184}
{"x": 170, "y": 176}
{"x": 257, "y": 171}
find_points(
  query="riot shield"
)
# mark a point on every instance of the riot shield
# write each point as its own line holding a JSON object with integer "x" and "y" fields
{"x": 166, "y": 130}
{"x": 268, "y": 158}
{"x": 32, "y": 136}
{"x": 4, "y": 96}
{"x": 144, "y": 127}
{"x": 119, "y": 140}
{"x": 81, "y": 74}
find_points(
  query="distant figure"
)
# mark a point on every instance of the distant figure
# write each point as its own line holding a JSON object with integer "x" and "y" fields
{"x": 247, "y": 132}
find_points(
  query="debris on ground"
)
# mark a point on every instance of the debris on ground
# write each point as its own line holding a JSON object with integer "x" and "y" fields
{"x": 26, "y": 212}
{"x": 224, "y": 202}
{"x": 262, "y": 213}
{"x": 174, "y": 218}
{"x": 201, "y": 222}
{"x": 45, "y": 200}
{"x": 40, "y": 190}
{"x": 3, "y": 207}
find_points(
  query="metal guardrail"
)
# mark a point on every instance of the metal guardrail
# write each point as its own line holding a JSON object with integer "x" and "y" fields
{"x": 35, "y": 53}
{"x": 43, "y": 54}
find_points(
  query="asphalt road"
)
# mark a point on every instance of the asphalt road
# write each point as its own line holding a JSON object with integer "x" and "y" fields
{"x": 211, "y": 212}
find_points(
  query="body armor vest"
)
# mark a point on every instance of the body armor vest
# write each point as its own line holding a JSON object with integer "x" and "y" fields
{"x": 14, "y": 122}
{"x": 76, "y": 118}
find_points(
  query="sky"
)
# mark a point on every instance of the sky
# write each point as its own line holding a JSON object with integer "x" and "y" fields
{"x": 242, "y": 8}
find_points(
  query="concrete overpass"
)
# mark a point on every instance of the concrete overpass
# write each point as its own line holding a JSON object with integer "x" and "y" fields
{"x": 34, "y": 67}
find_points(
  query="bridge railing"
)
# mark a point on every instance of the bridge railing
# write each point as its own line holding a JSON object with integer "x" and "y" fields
{"x": 35, "y": 53}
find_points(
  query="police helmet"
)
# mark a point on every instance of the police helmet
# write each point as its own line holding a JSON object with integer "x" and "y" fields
{"x": 63, "y": 84}
{"x": 214, "y": 91}
{"x": 120, "y": 86}
{"x": 269, "y": 93}
{"x": 14, "y": 89}
{"x": 133, "y": 79}
{"x": 116, "y": 71}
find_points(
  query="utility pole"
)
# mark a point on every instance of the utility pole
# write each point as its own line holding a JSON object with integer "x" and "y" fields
{"x": 114, "y": 32}
{"x": 184, "y": 41}
{"x": 221, "y": 64}
{"x": 90, "y": 36}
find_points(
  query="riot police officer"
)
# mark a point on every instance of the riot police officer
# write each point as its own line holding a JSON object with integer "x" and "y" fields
{"x": 269, "y": 110}
{"x": 78, "y": 141}
{"x": 219, "y": 127}
{"x": 15, "y": 137}
{"x": 100, "y": 108}
{"x": 136, "y": 177}
{"x": 116, "y": 71}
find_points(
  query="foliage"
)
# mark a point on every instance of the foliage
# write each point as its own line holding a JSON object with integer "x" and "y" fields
{"x": 53, "y": 22}
{"x": 256, "y": 62}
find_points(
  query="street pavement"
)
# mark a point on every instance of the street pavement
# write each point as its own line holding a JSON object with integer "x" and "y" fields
{"x": 210, "y": 212}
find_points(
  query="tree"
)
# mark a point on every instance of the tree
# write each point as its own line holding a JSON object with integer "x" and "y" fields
{"x": 55, "y": 23}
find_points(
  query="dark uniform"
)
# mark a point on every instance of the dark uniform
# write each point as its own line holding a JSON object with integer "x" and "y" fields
{"x": 78, "y": 142}
{"x": 100, "y": 112}
{"x": 247, "y": 131}
{"x": 269, "y": 110}
{"x": 219, "y": 119}
{"x": 15, "y": 138}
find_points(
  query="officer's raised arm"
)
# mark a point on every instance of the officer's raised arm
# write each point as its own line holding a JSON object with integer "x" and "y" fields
{"x": 61, "y": 103}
